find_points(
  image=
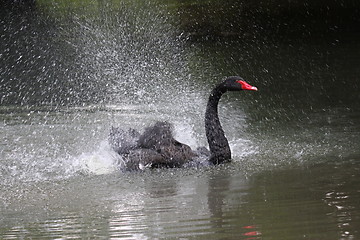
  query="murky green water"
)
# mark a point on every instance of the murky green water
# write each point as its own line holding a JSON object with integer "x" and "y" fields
{"x": 70, "y": 72}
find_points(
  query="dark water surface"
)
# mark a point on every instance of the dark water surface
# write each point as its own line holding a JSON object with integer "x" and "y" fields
{"x": 69, "y": 72}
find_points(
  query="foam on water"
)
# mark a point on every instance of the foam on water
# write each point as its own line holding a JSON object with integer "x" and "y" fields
{"x": 101, "y": 161}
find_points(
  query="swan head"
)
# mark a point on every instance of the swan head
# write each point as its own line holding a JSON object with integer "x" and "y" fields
{"x": 236, "y": 83}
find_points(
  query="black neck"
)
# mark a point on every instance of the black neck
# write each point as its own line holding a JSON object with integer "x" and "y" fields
{"x": 218, "y": 144}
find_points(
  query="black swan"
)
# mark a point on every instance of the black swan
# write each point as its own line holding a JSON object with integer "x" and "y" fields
{"x": 157, "y": 147}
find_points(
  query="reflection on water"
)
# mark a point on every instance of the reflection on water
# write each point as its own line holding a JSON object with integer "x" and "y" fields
{"x": 75, "y": 70}
{"x": 319, "y": 202}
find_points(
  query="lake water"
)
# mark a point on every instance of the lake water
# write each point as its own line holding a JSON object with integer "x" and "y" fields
{"x": 69, "y": 72}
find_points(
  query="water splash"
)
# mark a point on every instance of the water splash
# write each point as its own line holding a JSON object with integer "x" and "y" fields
{"x": 101, "y": 161}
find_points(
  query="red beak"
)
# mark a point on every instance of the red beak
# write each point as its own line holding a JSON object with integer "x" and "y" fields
{"x": 246, "y": 86}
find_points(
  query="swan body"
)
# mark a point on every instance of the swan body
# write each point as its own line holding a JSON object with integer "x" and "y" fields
{"x": 156, "y": 147}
